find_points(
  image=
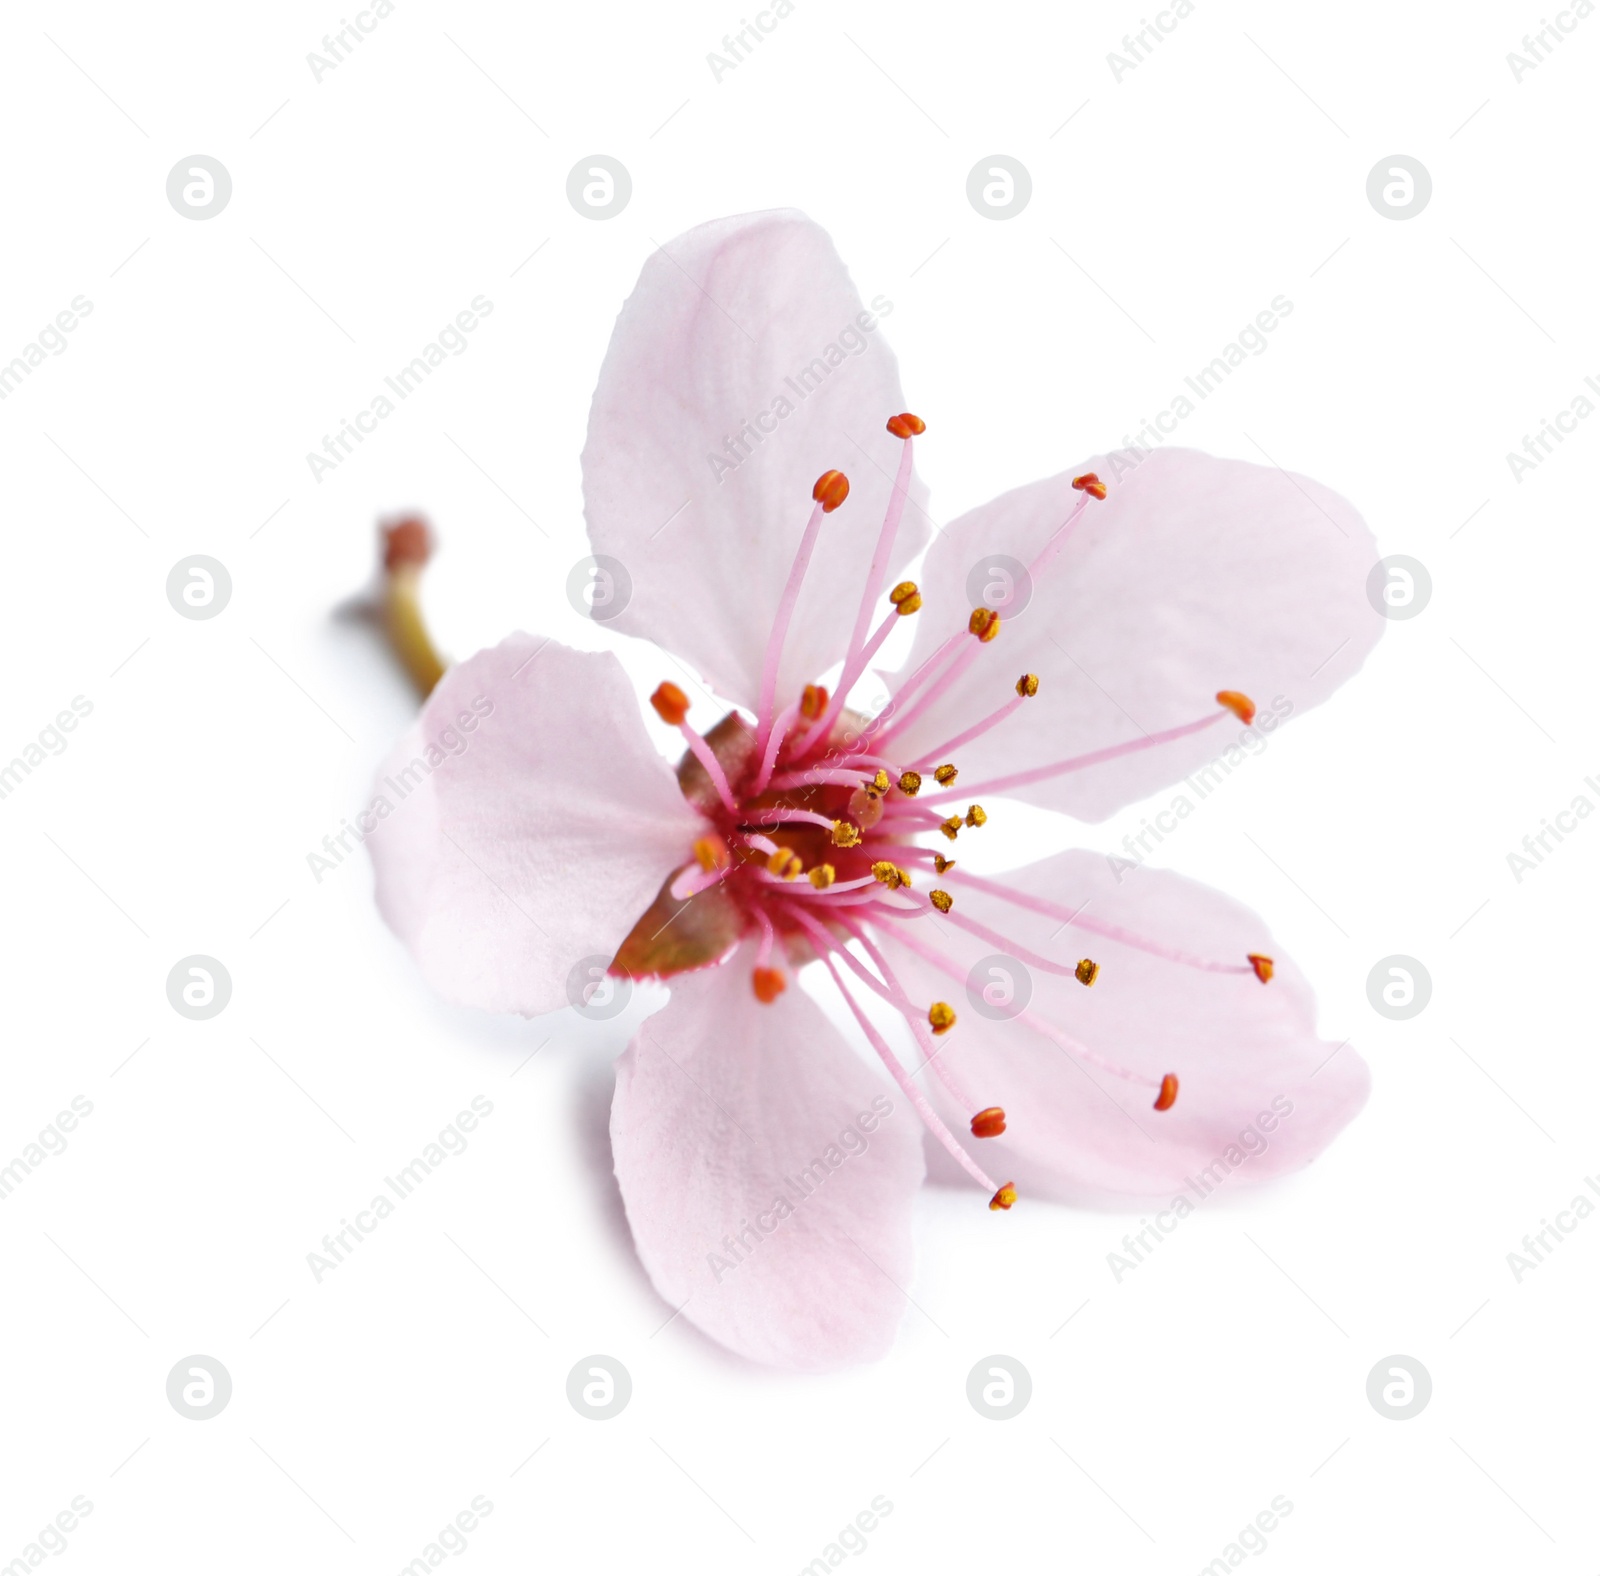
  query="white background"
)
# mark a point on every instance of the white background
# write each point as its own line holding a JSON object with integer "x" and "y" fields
{"x": 1168, "y": 208}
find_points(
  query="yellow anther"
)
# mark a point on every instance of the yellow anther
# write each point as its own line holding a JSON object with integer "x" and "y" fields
{"x": 941, "y": 900}
{"x": 941, "y": 1017}
{"x": 910, "y": 783}
{"x": 820, "y": 876}
{"x": 813, "y": 702}
{"x": 951, "y": 827}
{"x": 1005, "y": 1198}
{"x": 845, "y": 835}
{"x": 976, "y": 815}
{"x": 984, "y": 623}
{"x": 1087, "y": 971}
{"x": 906, "y": 597}
{"x": 879, "y": 783}
{"x": 784, "y": 863}
{"x": 945, "y": 775}
{"x": 941, "y": 864}
{"x": 711, "y": 853}
{"x": 905, "y": 876}
{"x": 886, "y": 871}
{"x": 1028, "y": 684}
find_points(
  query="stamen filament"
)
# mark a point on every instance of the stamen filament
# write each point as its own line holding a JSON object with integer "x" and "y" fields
{"x": 775, "y": 740}
{"x": 977, "y": 730}
{"x": 1078, "y": 763}
{"x": 707, "y": 758}
{"x": 780, "y": 624}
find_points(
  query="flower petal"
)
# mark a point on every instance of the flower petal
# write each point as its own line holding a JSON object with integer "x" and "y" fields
{"x": 1259, "y": 1094}
{"x": 1195, "y": 575}
{"x": 531, "y": 822}
{"x": 741, "y": 368}
{"x": 767, "y": 1174}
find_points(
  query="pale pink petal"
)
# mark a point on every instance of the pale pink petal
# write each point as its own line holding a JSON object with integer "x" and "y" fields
{"x": 1260, "y": 1093}
{"x": 768, "y": 1174}
{"x": 525, "y": 823}
{"x": 1195, "y": 575}
{"x": 736, "y": 327}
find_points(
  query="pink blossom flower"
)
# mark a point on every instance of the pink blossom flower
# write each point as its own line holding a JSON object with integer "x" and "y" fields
{"x": 1089, "y": 1029}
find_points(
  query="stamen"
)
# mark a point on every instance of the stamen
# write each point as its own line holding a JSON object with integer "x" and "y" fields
{"x": 786, "y": 606}
{"x": 712, "y": 853}
{"x": 1075, "y": 917}
{"x": 941, "y": 1017}
{"x": 845, "y": 835}
{"x": 941, "y": 900}
{"x": 951, "y": 828}
{"x": 775, "y": 739}
{"x": 1261, "y": 964}
{"x": 1027, "y": 688}
{"x": 831, "y": 489}
{"x": 890, "y": 874}
{"x": 945, "y": 775}
{"x": 785, "y": 864}
{"x": 1091, "y": 484}
{"x": 941, "y": 864}
{"x": 910, "y": 1090}
{"x": 1169, "y": 1093}
{"x": 1004, "y": 1197}
{"x": 910, "y": 783}
{"x": 1111, "y": 752}
{"x": 989, "y": 1122}
{"x": 768, "y": 984}
{"x": 905, "y": 425}
{"x": 976, "y": 815}
{"x": 821, "y": 877}
{"x": 813, "y": 702}
{"x": 984, "y": 623}
{"x": 1087, "y": 971}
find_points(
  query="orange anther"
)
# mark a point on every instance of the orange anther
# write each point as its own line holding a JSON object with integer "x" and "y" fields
{"x": 1262, "y": 965}
{"x": 989, "y": 1122}
{"x": 1169, "y": 1093}
{"x": 671, "y": 704}
{"x": 1005, "y": 1198}
{"x": 768, "y": 984}
{"x": 905, "y": 425}
{"x": 1240, "y": 705}
{"x": 1091, "y": 484}
{"x": 813, "y": 702}
{"x": 832, "y": 488}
